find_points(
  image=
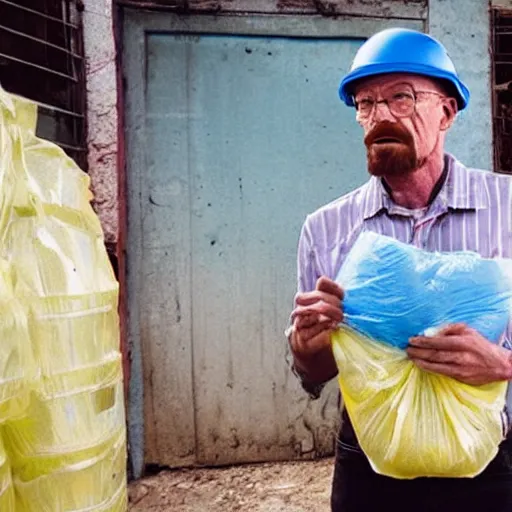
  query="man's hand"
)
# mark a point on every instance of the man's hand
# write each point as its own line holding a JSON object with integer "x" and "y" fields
{"x": 462, "y": 353}
{"x": 315, "y": 317}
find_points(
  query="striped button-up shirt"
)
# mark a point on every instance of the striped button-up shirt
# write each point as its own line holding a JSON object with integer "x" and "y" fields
{"x": 471, "y": 212}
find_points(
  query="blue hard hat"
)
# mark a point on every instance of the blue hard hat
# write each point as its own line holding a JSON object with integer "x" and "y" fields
{"x": 400, "y": 50}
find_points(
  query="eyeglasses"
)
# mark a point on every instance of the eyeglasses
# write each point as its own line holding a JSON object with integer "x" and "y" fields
{"x": 401, "y": 103}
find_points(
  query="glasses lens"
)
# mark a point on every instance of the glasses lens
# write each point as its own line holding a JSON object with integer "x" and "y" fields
{"x": 364, "y": 107}
{"x": 401, "y": 103}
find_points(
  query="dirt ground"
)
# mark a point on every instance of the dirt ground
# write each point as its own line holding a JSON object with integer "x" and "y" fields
{"x": 273, "y": 487}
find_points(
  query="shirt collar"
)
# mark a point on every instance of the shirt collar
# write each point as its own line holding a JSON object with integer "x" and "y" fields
{"x": 464, "y": 190}
{"x": 460, "y": 191}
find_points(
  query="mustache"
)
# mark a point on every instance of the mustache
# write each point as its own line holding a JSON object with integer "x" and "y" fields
{"x": 388, "y": 130}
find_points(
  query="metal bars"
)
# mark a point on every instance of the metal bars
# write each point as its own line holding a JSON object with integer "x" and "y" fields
{"x": 42, "y": 58}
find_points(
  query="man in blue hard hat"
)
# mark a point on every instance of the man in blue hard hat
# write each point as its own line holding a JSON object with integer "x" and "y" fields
{"x": 406, "y": 93}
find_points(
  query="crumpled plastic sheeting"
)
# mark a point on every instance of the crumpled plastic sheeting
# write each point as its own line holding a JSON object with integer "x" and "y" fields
{"x": 6, "y": 487}
{"x": 61, "y": 393}
{"x": 394, "y": 291}
{"x": 411, "y": 423}
{"x": 17, "y": 368}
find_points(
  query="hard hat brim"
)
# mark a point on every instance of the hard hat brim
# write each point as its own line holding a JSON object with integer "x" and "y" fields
{"x": 370, "y": 70}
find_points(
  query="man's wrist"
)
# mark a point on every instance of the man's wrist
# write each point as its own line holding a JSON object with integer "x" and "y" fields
{"x": 301, "y": 370}
{"x": 313, "y": 389}
{"x": 299, "y": 366}
{"x": 313, "y": 370}
{"x": 508, "y": 365}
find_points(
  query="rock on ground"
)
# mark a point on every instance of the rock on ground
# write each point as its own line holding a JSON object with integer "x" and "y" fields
{"x": 270, "y": 487}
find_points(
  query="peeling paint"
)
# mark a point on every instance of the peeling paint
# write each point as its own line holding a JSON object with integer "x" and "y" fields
{"x": 502, "y": 4}
{"x": 415, "y": 9}
{"x": 470, "y": 139}
{"x": 102, "y": 114}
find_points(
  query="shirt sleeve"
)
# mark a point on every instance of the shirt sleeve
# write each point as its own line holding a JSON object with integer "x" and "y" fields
{"x": 307, "y": 273}
{"x": 507, "y": 338}
{"x": 307, "y": 276}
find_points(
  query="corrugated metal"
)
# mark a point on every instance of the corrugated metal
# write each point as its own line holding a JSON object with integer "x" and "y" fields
{"x": 412, "y": 9}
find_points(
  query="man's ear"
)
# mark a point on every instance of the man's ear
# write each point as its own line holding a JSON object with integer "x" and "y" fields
{"x": 450, "y": 110}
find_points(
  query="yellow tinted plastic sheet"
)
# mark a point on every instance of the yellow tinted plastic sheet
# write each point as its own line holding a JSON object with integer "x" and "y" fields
{"x": 61, "y": 392}
{"x": 94, "y": 480}
{"x": 6, "y": 487}
{"x": 411, "y": 423}
{"x": 17, "y": 370}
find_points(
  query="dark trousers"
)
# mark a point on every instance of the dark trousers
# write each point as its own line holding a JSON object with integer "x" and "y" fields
{"x": 357, "y": 488}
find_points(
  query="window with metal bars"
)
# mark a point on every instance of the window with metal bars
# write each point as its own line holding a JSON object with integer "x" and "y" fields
{"x": 502, "y": 83}
{"x": 42, "y": 58}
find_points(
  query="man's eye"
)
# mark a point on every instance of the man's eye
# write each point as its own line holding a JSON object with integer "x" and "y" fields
{"x": 365, "y": 103}
{"x": 402, "y": 96}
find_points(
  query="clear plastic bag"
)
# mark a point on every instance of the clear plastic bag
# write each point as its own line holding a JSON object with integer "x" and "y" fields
{"x": 6, "y": 487}
{"x": 78, "y": 419}
{"x": 411, "y": 423}
{"x": 93, "y": 480}
{"x": 394, "y": 291}
{"x": 17, "y": 368}
{"x": 66, "y": 444}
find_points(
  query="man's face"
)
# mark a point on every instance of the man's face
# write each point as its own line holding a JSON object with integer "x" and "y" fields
{"x": 402, "y": 132}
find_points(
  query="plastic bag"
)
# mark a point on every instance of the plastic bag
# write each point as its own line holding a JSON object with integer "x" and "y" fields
{"x": 6, "y": 487}
{"x": 411, "y": 423}
{"x": 66, "y": 447}
{"x": 17, "y": 368}
{"x": 90, "y": 480}
{"x": 394, "y": 291}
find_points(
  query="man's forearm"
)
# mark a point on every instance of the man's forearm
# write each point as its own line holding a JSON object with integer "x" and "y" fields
{"x": 317, "y": 369}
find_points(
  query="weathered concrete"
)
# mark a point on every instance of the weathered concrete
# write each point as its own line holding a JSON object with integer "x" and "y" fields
{"x": 502, "y": 4}
{"x": 415, "y": 9}
{"x": 105, "y": 148}
{"x": 102, "y": 113}
{"x": 466, "y": 34}
{"x": 470, "y": 139}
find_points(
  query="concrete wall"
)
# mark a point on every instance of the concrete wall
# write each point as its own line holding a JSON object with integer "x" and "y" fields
{"x": 470, "y": 139}
{"x": 466, "y": 34}
{"x": 105, "y": 147}
{"x": 502, "y": 4}
{"x": 102, "y": 113}
{"x": 409, "y": 9}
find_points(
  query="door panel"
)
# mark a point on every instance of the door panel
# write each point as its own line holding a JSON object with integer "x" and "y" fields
{"x": 245, "y": 136}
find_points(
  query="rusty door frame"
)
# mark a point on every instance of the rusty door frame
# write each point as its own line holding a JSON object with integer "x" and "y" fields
{"x": 136, "y": 24}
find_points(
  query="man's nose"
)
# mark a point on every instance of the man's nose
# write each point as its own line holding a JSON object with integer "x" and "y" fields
{"x": 381, "y": 113}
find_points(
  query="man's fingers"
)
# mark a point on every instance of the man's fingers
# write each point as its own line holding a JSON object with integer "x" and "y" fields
{"x": 308, "y": 298}
{"x": 307, "y": 334}
{"x": 303, "y": 321}
{"x": 319, "y": 310}
{"x": 439, "y": 342}
{"x": 453, "y": 330}
{"x": 314, "y": 344}
{"x": 435, "y": 356}
{"x": 440, "y": 368}
{"x": 325, "y": 309}
{"x": 449, "y": 370}
{"x": 326, "y": 285}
